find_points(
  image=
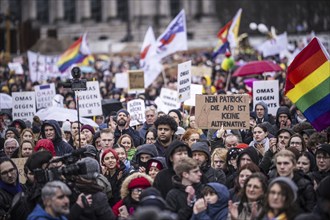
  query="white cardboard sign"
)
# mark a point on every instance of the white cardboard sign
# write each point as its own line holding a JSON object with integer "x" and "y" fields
{"x": 45, "y": 95}
{"x": 184, "y": 81}
{"x": 24, "y": 105}
{"x": 136, "y": 108}
{"x": 267, "y": 92}
{"x": 90, "y": 100}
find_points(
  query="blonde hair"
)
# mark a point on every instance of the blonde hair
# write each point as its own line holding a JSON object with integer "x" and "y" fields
{"x": 221, "y": 153}
{"x": 286, "y": 153}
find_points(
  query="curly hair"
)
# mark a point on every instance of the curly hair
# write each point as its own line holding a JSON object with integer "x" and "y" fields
{"x": 166, "y": 120}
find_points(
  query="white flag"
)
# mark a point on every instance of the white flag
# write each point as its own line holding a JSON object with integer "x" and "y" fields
{"x": 274, "y": 46}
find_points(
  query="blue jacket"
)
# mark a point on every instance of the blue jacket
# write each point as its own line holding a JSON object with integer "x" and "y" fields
{"x": 40, "y": 214}
{"x": 219, "y": 210}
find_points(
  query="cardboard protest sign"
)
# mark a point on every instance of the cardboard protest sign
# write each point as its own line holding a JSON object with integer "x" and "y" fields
{"x": 195, "y": 89}
{"x": 167, "y": 100}
{"x": 266, "y": 91}
{"x": 121, "y": 80}
{"x": 201, "y": 71}
{"x": 90, "y": 100}
{"x": 45, "y": 95}
{"x": 229, "y": 111}
{"x": 136, "y": 110}
{"x": 16, "y": 67}
{"x": 184, "y": 81}
{"x": 24, "y": 105}
{"x": 20, "y": 162}
{"x": 135, "y": 81}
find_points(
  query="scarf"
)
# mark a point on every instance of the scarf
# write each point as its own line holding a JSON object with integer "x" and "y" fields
{"x": 270, "y": 216}
{"x": 12, "y": 189}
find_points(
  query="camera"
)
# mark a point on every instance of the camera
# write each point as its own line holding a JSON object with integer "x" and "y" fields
{"x": 76, "y": 84}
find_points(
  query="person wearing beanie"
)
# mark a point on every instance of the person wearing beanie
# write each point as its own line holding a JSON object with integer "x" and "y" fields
{"x": 89, "y": 132}
{"x": 87, "y": 185}
{"x": 166, "y": 128}
{"x": 154, "y": 165}
{"x": 51, "y": 130}
{"x": 201, "y": 153}
{"x": 151, "y": 197}
{"x": 175, "y": 152}
{"x": 286, "y": 162}
{"x": 322, "y": 156}
{"x": 66, "y": 129}
{"x": 45, "y": 144}
{"x": 280, "y": 200}
{"x": 123, "y": 120}
{"x": 114, "y": 171}
{"x": 176, "y": 115}
{"x": 19, "y": 124}
{"x": 283, "y": 118}
{"x": 130, "y": 192}
{"x": 12, "y": 132}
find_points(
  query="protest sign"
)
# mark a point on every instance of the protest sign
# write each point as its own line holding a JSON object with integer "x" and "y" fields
{"x": 135, "y": 81}
{"x": 121, "y": 80}
{"x": 45, "y": 95}
{"x": 266, "y": 91}
{"x": 136, "y": 110}
{"x": 42, "y": 67}
{"x": 167, "y": 100}
{"x": 229, "y": 111}
{"x": 24, "y": 105}
{"x": 195, "y": 89}
{"x": 20, "y": 162}
{"x": 16, "y": 67}
{"x": 184, "y": 81}
{"x": 90, "y": 100}
{"x": 201, "y": 71}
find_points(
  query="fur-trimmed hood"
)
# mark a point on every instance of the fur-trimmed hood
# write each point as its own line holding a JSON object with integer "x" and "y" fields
{"x": 124, "y": 191}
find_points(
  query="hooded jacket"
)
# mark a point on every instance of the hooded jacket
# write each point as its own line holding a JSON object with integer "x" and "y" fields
{"x": 267, "y": 117}
{"x": 20, "y": 122}
{"x": 253, "y": 154}
{"x": 219, "y": 210}
{"x": 149, "y": 149}
{"x": 40, "y": 214}
{"x": 281, "y": 110}
{"x": 209, "y": 173}
{"x": 162, "y": 181}
{"x": 61, "y": 147}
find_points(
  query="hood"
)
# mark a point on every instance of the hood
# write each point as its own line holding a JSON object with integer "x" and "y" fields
{"x": 170, "y": 149}
{"x": 223, "y": 195}
{"x": 56, "y": 126}
{"x": 146, "y": 149}
{"x": 252, "y": 152}
{"x": 124, "y": 191}
{"x": 20, "y": 122}
{"x": 202, "y": 147}
{"x": 283, "y": 110}
{"x": 265, "y": 106}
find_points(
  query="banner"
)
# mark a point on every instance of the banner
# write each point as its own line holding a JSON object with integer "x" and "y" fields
{"x": 90, "y": 100}
{"x": 195, "y": 89}
{"x": 136, "y": 109}
{"x": 42, "y": 67}
{"x": 266, "y": 91}
{"x": 184, "y": 81}
{"x": 121, "y": 80}
{"x": 135, "y": 81}
{"x": 45, "y": 95}
{"x": 24, "y": 105}
{"x": 274, "y": 46}
{"x": 229, "y": 111}
{"x": 16, "y": 67}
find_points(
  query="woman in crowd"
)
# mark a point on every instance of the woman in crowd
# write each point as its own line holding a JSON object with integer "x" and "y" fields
{"x": 243, "y": 173}
{"x": 260, "y": 139}
{"x": 306, "y": 163}
{"x": 83, "y": 140}
{"x": 279, "y": 200}
{"x": 154, "y": 165}
{"x": 192, "y": 125}
{"x": 252, "y": 198}
{"x": 297, "y": 141}
{"x": 190, "y": 136}
{"x": 45, "y": 144}
{"x": 127, "y": 142}
{"x": 151, "y": 136}
{"x": 130, "y": 194}
{"x": 218, "y": 159}
{"x": 26, "y": 148}
{"x": 27, "y": 134}
{"x": 89, "y": 132}
{"x": 122, "y": 155}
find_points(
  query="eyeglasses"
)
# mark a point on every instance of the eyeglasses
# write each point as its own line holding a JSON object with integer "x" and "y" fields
{"x": 137, "y": 190}
{"x": 5, "y": 173}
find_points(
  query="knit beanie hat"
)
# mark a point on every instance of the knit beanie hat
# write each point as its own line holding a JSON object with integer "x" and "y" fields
{"x": 154, "y": 163}
{"x": 176, "y": 112}
{"x": 45, "y": 144}
{"x": 139, "y": 182}
{"x": 123, "y": 110}
{"x": 88, "y": 127}
{"x": 66, "y": 126}
{"x": 14, "y": 130}
{"x": 287, "y": 181}
{"x": 92, "y": 168}
{"x": 323, "y": 148}
{"x": 201, "y": 147}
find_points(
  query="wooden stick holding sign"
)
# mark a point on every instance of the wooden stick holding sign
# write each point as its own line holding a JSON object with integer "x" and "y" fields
{"x": 229, "y": 111}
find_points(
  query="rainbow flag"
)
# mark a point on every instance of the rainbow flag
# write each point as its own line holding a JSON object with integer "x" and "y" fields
{"x": 76, "y": 53}
{"x": 308, "y": 84}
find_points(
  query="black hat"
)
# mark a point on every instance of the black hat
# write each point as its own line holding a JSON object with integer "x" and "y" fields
{"x": 323, "y": 147}
{"x": 176, "y": 112}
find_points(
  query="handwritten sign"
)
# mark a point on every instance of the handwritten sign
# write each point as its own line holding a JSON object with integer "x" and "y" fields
{"x": 135, "y": 81}
{"x": 184, "y": 81}
{"x": 266, "y": 91}
{"x": 45, "y": 95}
{"x": 24, "y": 105}
{"x": 167, "y": 100}
{"x": 90, "y": 100}
{"x": 20, "y": 162}
{"x": 136, "y": 110}
{"x": 229, "y": 111}
{"x": 201, "y": 71}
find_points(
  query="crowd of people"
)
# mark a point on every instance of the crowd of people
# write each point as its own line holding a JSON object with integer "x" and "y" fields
{"x": 166, "y": 167}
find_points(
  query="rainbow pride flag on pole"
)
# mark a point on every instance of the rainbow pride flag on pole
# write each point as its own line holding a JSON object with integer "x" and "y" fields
{"x": 308, "y": 84}
{"x": 76, "y": 53}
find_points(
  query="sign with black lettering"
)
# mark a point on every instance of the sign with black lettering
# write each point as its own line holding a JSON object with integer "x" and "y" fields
{"x": 135, "y": 81}
{"x": 45, "y": 95}
{"x": 90, "y": 100}
{"x": 266, "y": 91}
{"x": 136, "y": 110}
{"x": 167, "y": 100}
{"x": 229, "y": 111}
{"x": 24, "y": 105}
{"x": 184, "y": 81}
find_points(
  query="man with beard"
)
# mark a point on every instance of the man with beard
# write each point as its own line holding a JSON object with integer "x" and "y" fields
{"x": 166, "y": 128}
{"x": 55, "y": 200}
{"x": 123, "y": 127}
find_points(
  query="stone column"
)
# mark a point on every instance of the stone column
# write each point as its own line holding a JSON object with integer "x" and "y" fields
{"x": 56, "y": 11}
{"x": 208, "y": 8}
{"x": 30, "y": 12}
{"x": 83, "y": 10}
